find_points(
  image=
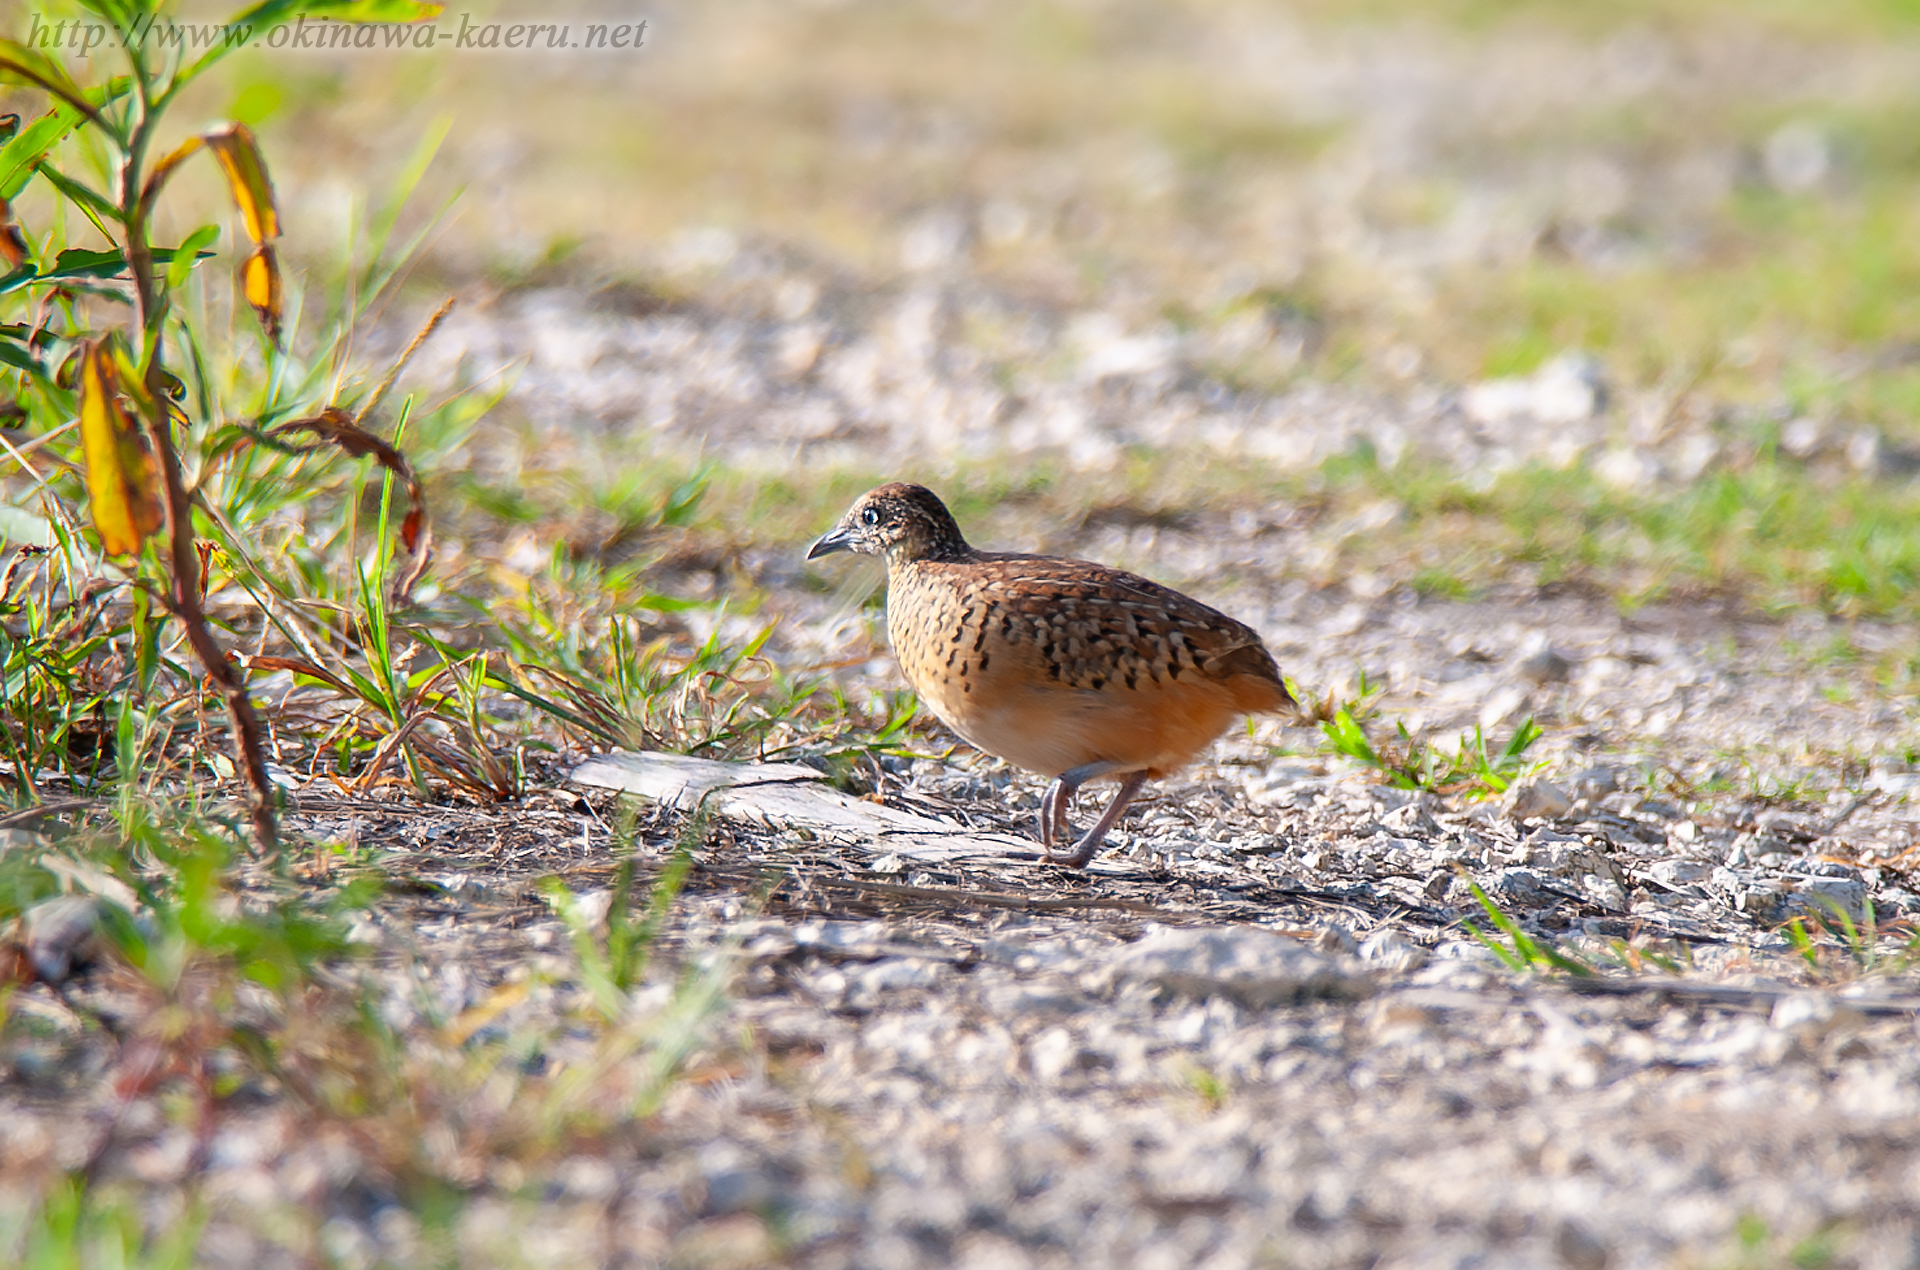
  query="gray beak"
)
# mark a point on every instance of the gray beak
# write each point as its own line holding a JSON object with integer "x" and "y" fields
{"x": 839, "y": 538}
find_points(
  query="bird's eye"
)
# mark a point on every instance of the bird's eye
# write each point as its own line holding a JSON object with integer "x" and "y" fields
{"x": 871, "y": 516}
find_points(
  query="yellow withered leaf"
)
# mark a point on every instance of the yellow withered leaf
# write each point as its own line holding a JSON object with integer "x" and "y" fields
{"x": 162, "y": 172}
{"x": 261, "y": 278}
{"x": 123, "y": 489}
{"x": 239, "y": 155}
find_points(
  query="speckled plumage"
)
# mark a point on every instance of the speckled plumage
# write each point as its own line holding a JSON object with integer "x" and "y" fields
{"x": 1064, "y": 667}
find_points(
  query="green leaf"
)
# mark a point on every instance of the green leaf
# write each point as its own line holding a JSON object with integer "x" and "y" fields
{"x": 1523, "y": 737}
{"x": 30, "y": 145}
{"x": 189, "y": 254}
{"x": 17, "y": 353}
{"x": 1350, "y": 739}
{"x": 78, "y": 193}
{"x": 18, "y": 156}
{"x": 656, "y": 602}
{"x": 78, "y": 262}
{"x": 370, "y": 10}
{"x": 274, "y": 11}
{"x": 34, "y": 69}
{"x": 1526, "y": 952}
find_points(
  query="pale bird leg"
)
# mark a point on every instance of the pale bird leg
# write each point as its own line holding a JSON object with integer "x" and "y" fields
{"x": 1050, "y": 816}
{"x": 1061, "y": 793}
{"x": 1059, "y": 797}
{"x": 1062, "y": 824}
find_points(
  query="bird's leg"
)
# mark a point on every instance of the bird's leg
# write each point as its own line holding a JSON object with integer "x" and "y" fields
{"x": 1058, "y": 798}
{"x": 1069, "y": 781}
{"x": 1050, "y": 817}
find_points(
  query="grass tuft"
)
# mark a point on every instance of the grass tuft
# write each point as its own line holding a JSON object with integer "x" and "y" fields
{"x": 1519, "y": 950}
{"x": 1469, "y": 769}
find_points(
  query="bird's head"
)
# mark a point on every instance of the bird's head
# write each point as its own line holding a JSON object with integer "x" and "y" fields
{"x": 902, "y": 522}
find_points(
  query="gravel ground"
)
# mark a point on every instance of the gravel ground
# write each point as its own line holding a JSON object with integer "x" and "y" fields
{"x": 792, "y": 373}
{"x": 1257, "y": 1034}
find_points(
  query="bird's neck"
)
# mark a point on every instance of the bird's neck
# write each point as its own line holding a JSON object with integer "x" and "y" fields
{"x": 903, "y": 555}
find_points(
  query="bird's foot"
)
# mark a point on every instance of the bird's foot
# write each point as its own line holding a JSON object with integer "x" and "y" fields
{"x": 1084, "y": 849}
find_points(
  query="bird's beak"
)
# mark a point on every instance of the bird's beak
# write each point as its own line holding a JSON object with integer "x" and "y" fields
{"x": 839, "y": 538}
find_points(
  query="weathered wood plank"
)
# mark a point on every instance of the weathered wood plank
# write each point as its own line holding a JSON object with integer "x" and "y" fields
{"x": 786, "y": 796}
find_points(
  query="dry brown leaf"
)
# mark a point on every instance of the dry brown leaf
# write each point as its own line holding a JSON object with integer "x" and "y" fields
{"x": 336, "y": 427}
{"x": 13, "y": 243}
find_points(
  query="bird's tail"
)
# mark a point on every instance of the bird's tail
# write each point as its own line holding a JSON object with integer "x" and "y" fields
{"x": 1255, "y": 680}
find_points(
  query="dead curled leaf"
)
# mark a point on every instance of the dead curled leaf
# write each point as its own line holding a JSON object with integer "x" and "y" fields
{"x": 238, "y": 153}
{"x": 13, "y": 243}
{"x": 298, "y": 666}
{"x": 334, "y": 426}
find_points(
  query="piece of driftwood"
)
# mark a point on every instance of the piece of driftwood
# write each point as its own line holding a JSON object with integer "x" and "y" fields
{"x": 793, "y": 799}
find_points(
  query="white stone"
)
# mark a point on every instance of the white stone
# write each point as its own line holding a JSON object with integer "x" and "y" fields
{"x": 1254, "y": 967}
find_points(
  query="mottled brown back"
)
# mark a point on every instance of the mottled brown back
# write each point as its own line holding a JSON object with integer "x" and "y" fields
{"x": 1053, "y": 664}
